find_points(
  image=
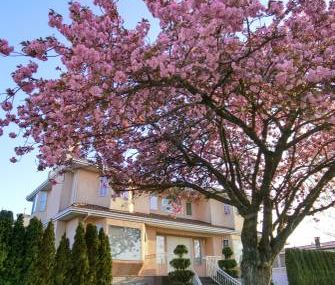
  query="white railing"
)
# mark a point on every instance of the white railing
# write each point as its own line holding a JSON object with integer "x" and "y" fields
{"x": 196, "y": 280}
{"x": 217, "y": 274}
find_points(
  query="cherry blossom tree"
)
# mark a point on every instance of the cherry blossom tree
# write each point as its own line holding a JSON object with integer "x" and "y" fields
{"x": 234, "y": 100}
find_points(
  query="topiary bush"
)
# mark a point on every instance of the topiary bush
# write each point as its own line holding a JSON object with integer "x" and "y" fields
{"x": 228, "y": 264}
{"x": 181, "y": 275}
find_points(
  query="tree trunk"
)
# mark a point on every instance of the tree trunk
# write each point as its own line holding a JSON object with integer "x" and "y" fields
{"x": 255, "y": 272}
{"x": 256, "y": 267}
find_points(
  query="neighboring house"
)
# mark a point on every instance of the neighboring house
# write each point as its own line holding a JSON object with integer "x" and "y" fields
{"x": 143, "y": 231}
{"x": 279, "y": 275}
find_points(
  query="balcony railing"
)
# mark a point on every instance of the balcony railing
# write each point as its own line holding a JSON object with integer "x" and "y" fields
{"x": 217, "y": 274}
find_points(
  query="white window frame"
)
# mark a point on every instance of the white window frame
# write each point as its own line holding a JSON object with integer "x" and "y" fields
{"x": 197, "y": 255}
{"x": 225, "y": 243}
{"x": 42, "y": 201}
{"x": 34, "y": 207}
{"x": 190, "y": 208}
{"x": 166, "y": 205}
{"x": 103, "y": 186}
{"x": 226, "y": 209}
{"x": 139, "y": 256}
{"x": 153, "y": 202}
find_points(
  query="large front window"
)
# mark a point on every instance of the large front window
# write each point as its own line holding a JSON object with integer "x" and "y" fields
{"x": 125, "y": 243}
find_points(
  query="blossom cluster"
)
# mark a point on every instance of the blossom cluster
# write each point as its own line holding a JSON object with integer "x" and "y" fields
{"x": 223, "y": 81}
{"x": 5, "y": 49}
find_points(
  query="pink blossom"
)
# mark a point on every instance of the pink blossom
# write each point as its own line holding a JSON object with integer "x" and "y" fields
{"x": 13, "y": 160}
{"x": 7, "y": 106}
{"x": 12, "y": 135}
{"x": 5, "y": 49}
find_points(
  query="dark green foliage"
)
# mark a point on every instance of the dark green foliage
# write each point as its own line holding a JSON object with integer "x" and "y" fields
{"x": 92, "y": 243}
{"x": 104, "y": 260}
{"x": 14, "y": 261}
{"x": 228, "y": 264}
{"x": 310, "y": 267}
{"x": 79, "y": 260}
{"x": 61, "y": 270}
{"x": 6, "y": 226}
{"x": 46, "y": 257}
{"x": 227, "y": 252}
{"x": 32, "y": 243}
{"x": 181, "y": 275}
{"x": 180, "y": 263}
{"x": 30, "y": 256}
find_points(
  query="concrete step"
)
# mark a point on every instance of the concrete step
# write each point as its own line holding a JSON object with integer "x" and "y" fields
{"x": 207, "y": 281}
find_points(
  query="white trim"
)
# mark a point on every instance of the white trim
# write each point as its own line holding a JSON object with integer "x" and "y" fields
{"x": 147, "y": 220}
{"x": 74, "y": 187}
{"x": 41, "y": 187}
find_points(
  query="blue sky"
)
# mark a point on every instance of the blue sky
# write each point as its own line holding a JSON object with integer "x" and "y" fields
{"x": 26, "y": 20}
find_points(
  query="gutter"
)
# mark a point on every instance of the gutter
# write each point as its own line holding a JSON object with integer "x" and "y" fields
{"x": 31, "y": 196}
{"x": 149, "y": 221}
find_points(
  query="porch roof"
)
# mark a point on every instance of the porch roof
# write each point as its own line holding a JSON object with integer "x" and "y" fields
{"x": 151, "y": 219}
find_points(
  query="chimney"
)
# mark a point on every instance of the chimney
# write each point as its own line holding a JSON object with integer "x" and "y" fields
{"x": 317, "y": 242}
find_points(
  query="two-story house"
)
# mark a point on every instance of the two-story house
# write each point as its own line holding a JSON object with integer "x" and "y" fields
{"x": 143, "y": 232}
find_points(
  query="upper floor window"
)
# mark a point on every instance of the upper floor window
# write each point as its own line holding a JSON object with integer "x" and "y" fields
{"x": 153, "y": 202}
{"x": 42, "y": 196}
{"x": 166, "y": 205}
{"x": 124, "y": 195}
{"x": 188, "y": 208}
{"x": 125, "y": 243}
{"x": 34, "y": 208}
{"x": 103, "y": 187}
{"x": 226, "y": 209}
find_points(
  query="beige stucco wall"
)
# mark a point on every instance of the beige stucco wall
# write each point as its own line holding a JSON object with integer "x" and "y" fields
{"x": 218, "y": 217}
{"x": 201, "y": 210}
{"x": 142, "y": 203}
{"x": 82, "y": 186}
{"x": 147, "y": 266}
{"x": 65, "y": 198}
{"x": 54, "y": 197}
{"x": 86, "y": 189}
{"x": 70, "y": 229}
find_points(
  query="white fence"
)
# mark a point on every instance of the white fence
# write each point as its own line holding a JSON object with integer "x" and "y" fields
{"x": 279, "y": 276}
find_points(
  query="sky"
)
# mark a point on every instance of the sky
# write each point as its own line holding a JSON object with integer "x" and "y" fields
{"x": 23, "y": 20}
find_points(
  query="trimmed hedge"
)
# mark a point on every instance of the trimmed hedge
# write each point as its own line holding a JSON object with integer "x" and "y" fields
{"x": 310, "y": 267}
{"x": 181, "y": 275}
{"x": 228, "y": 264}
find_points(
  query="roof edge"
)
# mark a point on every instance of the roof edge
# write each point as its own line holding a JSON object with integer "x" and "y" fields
{"x": 147, "y": 220}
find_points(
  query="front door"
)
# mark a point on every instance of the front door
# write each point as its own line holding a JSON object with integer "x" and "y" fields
{"x": 172, "y": 243}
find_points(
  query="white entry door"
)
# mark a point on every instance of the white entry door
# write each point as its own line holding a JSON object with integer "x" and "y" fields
{"x": 172, "y": 243}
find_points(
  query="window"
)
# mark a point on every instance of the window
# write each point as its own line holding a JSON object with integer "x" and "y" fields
{"x": 99, "y": 227}
{"x": 125, "y": 243}
{"x": 42, "y": 201}
{"x": 160, "y": 249}
{"x": 225, "y": 243}
{"x": 124, "y": 195}
{"x": 188, "y": 209}
{"x": 33, "y": 209}
{"x": 282, "y": 260}
{"x": 103, "y": 187}
{"x": 197, "y": 251}
{"x": 166, "y": 205}
{"x": 153, "y": 203}
{"x": 226, "y": 209}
